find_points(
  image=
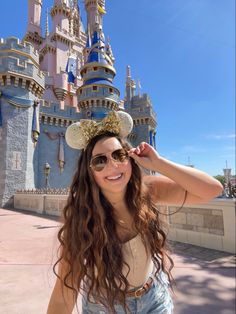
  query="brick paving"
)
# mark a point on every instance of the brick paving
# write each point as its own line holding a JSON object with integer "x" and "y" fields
{"x": 205, "y": 279}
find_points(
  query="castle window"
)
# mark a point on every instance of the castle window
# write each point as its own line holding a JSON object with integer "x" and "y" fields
{"x": 12, "y": 80}
{"x": 95, "y": 68}
{"x": 80, "y": 92}
{"x": 111, "y": 90}
{"x": 95, "y": 88}
{"x": 20, "y": 82}
{"x": 106, "y": 70}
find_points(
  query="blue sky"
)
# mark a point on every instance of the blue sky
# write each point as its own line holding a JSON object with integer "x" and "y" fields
{"x": 183, "y": 52}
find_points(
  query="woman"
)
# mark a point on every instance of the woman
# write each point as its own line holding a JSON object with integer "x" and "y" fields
{"x": 113, "y": 246}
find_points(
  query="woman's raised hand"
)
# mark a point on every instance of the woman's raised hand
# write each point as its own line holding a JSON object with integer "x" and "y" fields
{"x": 145, "y": 155}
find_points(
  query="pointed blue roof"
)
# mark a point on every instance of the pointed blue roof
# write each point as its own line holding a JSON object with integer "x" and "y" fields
{"x": 97, "y": 53}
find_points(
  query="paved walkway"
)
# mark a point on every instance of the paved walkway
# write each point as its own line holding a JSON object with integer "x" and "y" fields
{"x": 205, "y": 278}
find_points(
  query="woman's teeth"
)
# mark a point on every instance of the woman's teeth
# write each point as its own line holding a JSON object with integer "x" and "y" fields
{"x": 114, "y": 177}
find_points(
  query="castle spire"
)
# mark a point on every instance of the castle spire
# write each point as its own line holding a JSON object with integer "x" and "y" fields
{"x": 95, "y": 11}
{"x": 98, "y": 71}
{"x": 34, "y": 30}
{"x": 47, "y": 27}
{"x": 109, "y": 51}
{"x": 130, "y": 85}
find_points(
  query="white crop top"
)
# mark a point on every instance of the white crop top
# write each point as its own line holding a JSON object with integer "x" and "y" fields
{"x": 139, "y": 261}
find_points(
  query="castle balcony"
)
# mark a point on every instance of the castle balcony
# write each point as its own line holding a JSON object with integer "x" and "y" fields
{"x": 19, "y": 64}
{"x": 13, "y": 44}
{"x": 98, "y": 92}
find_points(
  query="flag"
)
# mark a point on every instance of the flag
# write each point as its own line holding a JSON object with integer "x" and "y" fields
{"x": 139, "y": 84}
{"x": 71, "y": 69}
{"x": 101, "y": 10}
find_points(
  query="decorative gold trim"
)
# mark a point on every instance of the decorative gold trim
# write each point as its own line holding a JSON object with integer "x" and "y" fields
{"x": 99, "y": 65}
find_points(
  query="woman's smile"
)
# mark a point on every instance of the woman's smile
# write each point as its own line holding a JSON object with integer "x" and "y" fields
{"x": 114, "y": 177}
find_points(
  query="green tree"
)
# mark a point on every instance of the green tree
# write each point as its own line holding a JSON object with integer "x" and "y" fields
{"x": 220, "y": 178}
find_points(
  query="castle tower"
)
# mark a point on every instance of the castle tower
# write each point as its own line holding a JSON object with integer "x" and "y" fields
{"x": 141, "y": 109}
{"x": 97, "y": 95}
{"x": 21, "y": 85}
{"x": 130, "y": 86}
{"x": 34, "y": 30}
{"x": 61, "y": 15}
{"x": 227, "y": 173}
{"x": 95, "y": 11}
{"x": 61, "y": 51}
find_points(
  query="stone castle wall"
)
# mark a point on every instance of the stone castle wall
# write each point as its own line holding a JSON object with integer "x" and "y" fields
{"x": 210, "y": 225}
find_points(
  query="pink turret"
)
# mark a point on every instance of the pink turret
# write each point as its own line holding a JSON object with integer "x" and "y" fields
{"x": 61, "y": 53}
{"x": 34, "y": 16}
{"x": 61, "y": 15}
{"x": 34, "y": 30}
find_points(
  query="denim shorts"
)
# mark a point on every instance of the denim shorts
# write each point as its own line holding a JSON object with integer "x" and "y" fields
{"x": 157, "y": 300}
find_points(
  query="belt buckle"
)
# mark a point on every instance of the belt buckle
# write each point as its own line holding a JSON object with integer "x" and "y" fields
{"x": 138, "y": 293}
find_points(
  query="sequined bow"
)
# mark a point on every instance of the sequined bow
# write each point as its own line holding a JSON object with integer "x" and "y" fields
{"x": 90, "y": 128}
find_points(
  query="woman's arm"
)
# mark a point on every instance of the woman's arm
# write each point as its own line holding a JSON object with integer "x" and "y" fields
{"x": 62, "y": 300}
{"x": 175, "y": 180}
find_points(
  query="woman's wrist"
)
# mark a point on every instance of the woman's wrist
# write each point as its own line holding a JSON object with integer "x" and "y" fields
{"x": 158, "y": 163}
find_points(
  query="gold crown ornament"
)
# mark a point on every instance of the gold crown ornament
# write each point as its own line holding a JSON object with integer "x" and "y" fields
{"x": 79, "y": 134}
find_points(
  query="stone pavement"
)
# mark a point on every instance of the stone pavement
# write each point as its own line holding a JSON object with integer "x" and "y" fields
{"x": 205, "y": 279}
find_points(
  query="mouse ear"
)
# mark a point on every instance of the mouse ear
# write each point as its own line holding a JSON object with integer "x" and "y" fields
{"x": 74, "y": 136}
{"x": 126, "y": 123}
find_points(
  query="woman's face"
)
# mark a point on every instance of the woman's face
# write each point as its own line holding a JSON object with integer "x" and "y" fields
{"x": 114, "y": 177}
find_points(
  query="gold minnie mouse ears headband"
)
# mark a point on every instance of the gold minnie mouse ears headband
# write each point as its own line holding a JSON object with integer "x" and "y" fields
{"x": 79, "y": 134}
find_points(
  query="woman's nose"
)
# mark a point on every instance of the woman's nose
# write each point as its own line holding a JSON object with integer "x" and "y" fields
{"x": 111, "y": 163}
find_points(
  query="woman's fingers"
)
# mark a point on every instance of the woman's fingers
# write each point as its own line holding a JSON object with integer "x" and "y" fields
{"x": 140, "y": 150}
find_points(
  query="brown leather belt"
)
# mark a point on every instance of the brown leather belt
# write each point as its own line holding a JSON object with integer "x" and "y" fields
{"x": 141, "y": 291}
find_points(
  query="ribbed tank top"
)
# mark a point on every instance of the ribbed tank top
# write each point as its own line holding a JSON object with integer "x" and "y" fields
{"x": 139, "y": 261}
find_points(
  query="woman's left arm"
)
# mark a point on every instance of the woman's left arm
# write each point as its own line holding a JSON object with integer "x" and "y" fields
{"x": 175, "y": 180}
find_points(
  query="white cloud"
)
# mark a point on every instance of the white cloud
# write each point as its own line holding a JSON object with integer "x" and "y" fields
{"x": 219, "y": 136}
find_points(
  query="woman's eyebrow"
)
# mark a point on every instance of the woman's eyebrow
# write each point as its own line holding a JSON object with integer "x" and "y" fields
{"x": 104, "y": 154}
{"x": 101, "y": 154}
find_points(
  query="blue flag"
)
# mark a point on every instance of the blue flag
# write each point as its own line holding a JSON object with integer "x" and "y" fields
{"x": 71, "y": 69}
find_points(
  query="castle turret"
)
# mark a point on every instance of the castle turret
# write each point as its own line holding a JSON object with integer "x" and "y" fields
{"x": 97, "y": 95}
{"x": 34, "y": 30}
{"x": 61, "y": 15}
{"x": 21, "y": 85}
{"x": 95, "y": 11}
{"x": 61, "y": 46}
{"x": 130, "y": 86}
{"x": 141, "y": 109}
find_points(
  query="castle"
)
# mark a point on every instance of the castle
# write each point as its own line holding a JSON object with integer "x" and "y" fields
{"x": 48, "y": 82}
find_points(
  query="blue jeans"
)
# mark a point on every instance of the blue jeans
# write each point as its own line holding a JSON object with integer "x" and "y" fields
{"x": 157, "y": 300}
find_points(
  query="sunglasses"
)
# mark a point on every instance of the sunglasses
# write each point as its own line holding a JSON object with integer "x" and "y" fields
{"x": 119, "y": 156}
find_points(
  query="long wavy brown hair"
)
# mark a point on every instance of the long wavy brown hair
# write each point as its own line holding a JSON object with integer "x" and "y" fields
{"x": 89, "y": 243}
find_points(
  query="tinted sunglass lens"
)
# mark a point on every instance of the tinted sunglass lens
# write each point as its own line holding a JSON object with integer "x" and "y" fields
{"x": 99, "y": 163}
{"x": 120, "y": 155}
